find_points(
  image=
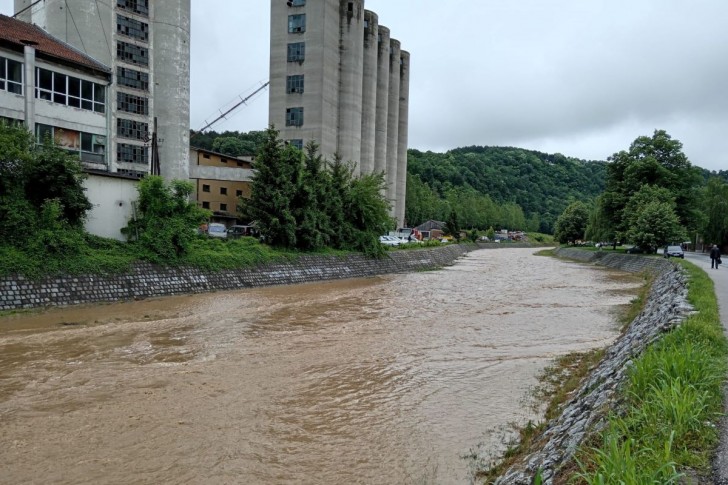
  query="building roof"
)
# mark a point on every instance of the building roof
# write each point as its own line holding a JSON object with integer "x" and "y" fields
{"x": 17, "y": 34}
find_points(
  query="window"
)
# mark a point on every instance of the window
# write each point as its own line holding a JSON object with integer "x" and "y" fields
{"x": 69, "y": 90}
{"x": 205, "y": 205}
{"x": 131, "y": 173}
{"x": 90, "y": 147}
{"x": 297, "y": 3}
{"x": 132, "y": 79}
{"x": 11, "y": 76}
{"x": 133, "y": 54}
{"x": 296, "y": 52}
{"x": 223, "y": 160}
{"x": 223, "y": 207}
{"x": 205, "y": 188}
{"x": 140, "y": 7}
{"x": 298, "y": 143}
{"x": 223, "y": 190}
{"x": 297, "y": 23}
{"x": 294, "y": 116}
{"x": 132, "y": 153}
{"x": 206, "y": 155}
{"x": 238, "y": 193}
{"x": 294, "y": 84}
{"x": 136, "y": 130}
{"x": 132, "y": 104}
{"x": 132, "y": 28}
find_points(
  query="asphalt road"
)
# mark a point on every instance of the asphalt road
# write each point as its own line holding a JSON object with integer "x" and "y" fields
{"x": 720, "y": 279}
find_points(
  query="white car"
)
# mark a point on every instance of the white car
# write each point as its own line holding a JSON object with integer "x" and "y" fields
{"x": 215, "y": 229}
{"x": 389, "y": 240}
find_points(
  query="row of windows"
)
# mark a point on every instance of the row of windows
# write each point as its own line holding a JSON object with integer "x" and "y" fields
{"x": 132, "y": 104}
{"x": 140, "y": 7}
{"x": 223, "y": 206}
{"x": 133, "y": 54}
{"x": 132, "y": 153}
{"x": 296, "y": 3}
{"x": 132, "y": 79}
{"x": 90, "y": 147}
{"x": 294, "y": 116}
{"x": 135, "y": 130}
{"x": 69, "y": 90}
{"x": 11, "y": 76}
{"x": 223, "y": 190}
{"x": 294, "y": 84}
{"x": 297, "y": 23}
{"x": 132, "y": 28}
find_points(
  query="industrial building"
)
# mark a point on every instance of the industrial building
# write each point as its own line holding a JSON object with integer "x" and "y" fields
{"x": 338, "y": 78}
{"x": 220, "y": 181}
{"x": 146, "y": 46}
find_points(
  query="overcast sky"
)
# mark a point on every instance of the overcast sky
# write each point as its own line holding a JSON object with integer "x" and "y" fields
{"x": 580, "y": 77}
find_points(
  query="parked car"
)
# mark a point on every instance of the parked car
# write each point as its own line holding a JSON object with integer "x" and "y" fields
{"x": 216, "y": 229}
{"x": 674, "y": 252}
{"x": 389, "y": 240}
{"x": 240, "y": 231}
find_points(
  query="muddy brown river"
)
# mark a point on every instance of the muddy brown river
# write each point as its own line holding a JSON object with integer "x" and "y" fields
{"x": 383, "y": 380}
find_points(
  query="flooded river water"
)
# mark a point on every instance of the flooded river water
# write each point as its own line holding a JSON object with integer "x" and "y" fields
{"x": 382, "y": 380}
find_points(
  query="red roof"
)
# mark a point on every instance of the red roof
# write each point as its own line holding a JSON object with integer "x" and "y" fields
{"x": 18, "y": 34}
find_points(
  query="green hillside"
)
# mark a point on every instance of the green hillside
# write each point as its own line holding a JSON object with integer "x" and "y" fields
{"x": 541, "y": 184}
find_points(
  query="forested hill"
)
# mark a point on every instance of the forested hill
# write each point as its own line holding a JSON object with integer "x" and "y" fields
{"x": 540, "y": 183}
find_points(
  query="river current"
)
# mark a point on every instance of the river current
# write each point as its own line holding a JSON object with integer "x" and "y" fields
{"x": 390, "y": 379}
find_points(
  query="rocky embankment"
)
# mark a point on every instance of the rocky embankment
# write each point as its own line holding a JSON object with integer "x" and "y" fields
{"x": 145, "y": 280}
{"x": 666, "y": 307}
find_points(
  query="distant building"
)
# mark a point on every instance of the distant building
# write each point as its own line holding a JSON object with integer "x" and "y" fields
{"x": 337, "y": 77}
{"x": 220, "y": 181}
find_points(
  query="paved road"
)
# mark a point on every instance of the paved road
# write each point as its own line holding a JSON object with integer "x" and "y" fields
{"x": 720, "y": 279}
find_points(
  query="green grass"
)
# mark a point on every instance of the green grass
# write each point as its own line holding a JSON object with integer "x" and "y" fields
{"x": 673, "y": 403}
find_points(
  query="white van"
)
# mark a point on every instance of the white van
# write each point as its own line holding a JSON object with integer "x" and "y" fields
{"x": 215, "y": 229}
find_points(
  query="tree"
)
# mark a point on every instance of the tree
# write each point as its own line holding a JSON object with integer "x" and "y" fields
{"x": 229, "y": 145}
{"x": 715, "y": 202}
{"x": 571, "y": 224}
{"x": 274, "y": 186}
{"x": 656, "y": 224}
{"x": 452, "y": 226}
{"x": 32, "y": 176}
{"x": 166, "y": 220}
{"x": 657, "y": 161}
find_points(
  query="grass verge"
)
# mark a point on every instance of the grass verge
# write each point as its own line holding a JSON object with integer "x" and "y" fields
{"x": 673, "y": 403}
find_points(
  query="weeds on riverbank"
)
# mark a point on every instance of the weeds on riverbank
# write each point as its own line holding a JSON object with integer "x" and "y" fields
{"x": 673, "y": 402}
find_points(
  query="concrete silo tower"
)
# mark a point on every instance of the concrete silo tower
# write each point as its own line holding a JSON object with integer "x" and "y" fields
{"x": 369, "y": 92}
{"x": 350, "y": 80}
{"x": 393, "y": 120}
{"x": 335, "y": 78}
{"x": 382, "y": 108}
{"x": 402, "y": 135}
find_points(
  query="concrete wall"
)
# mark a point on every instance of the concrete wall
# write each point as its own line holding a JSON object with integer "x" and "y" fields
{"x": 351, "y": 69}
{"x": 146, "y": 280}
{"x": 111, "y": 198}
{"x": 382, "y": 107}
{"x": 401, "y": 185}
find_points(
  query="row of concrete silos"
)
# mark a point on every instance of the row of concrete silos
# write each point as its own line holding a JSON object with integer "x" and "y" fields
{"x": 373, "y": 100}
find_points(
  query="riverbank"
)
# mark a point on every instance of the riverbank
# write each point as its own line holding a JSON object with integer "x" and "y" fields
{"x": 633, "y": 440}
{"x": 146, "y": 280}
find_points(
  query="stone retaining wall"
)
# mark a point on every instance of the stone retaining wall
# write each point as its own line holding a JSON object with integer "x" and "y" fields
{"x": 666, "y": 307}
{"x": 147, "y": 280}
